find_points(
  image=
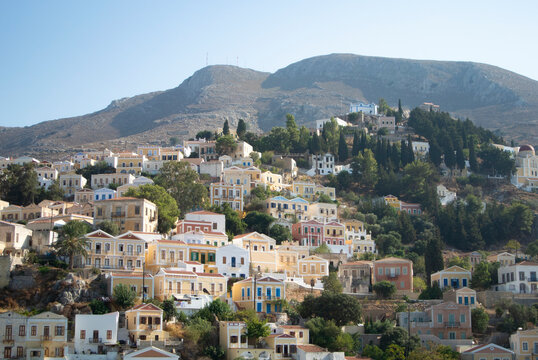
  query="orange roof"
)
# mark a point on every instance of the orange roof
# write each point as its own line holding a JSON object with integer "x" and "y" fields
{"x": 209, "y": 274}
{"x": 204, "y": 212}
{"x": 147, "y": 307}
{"x": 311, "y": 348}
{"x": 151, "y": 354}
{"x": 178, "y": 242}
{"x": 292, "y": 327}
{"x": 133, "y": 275}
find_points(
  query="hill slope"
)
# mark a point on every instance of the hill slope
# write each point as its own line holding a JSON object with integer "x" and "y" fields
{"x": 310, "y": 89}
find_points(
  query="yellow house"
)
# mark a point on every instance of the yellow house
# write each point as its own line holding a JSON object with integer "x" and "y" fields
{"x": 145, "y": 322}
{"x": 524, "y": 343}
{"x": 284, "y": 346}
{"x": 124, "y": 252}
{"x": 312, "y": 191}
{"x": 280, "y": 207}
{"x": 488, "y": 352}
{"x": 313, "y": 268}
{"x": 175, "y": 281}
{"x": 129, "y": 213}
{"x": 225, "y": 193}
{"x": 134, "y": 282}
{"x": 393, "y": 201}
{"x": 299, "y": 332}
{"x": 262, "y": 251}
{"x": 272, "y": 181}
{"x": 47, "y": 336}
{"x": 268, "y": 292}
{"x": 455, "y": 277}
{"x": 504, "y": 258}
{"x": 165, "y": 253}
{"x": 242, "y": 176}
{"x": 130, "y": 163}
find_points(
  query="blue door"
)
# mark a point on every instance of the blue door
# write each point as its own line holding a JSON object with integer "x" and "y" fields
{"x": 259, "y": 307}
{"x": 268, "y": 308}
{"x": 277, "y": 293}
{"x": 233, "y": 261}
{"x": 268, "y": 293}
{"x": 466, "y": 300}
{"x": 464, "y": 282}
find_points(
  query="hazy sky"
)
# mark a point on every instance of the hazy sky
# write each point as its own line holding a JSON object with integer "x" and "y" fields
{"x": 68, "y": 58}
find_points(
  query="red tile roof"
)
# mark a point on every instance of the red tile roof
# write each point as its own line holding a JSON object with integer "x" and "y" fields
{"x": 311, "y": 348}
{"x": 147, "y": 307}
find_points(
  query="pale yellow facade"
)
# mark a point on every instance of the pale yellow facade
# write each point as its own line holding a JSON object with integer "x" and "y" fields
{"x": 130, "y": 214}
{"x": 262, "y": 251}
{"x": 145, "y": 322}
{"x": 130, "y": 163}
{"x": 524, "y": 343}
{"x": 124, "y": 252}
{"x": 263, "y": 294}
{"x": 312, "y": 191}
{"x": 165, "y": 253}
{"x": 272, "y": 181}
{"x": 454, "y": 276}
{"x": 313, "y": 268}
{"x": 175, "y": 281}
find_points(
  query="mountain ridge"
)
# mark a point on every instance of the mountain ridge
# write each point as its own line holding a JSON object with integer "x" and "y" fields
{"x": 310, "y": 89}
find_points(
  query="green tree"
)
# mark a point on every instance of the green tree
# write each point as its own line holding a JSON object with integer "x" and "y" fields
{"x": 174, "y": 141}
{"x": 459, "y": 261}
{"x": 322, "y": 249}
{"x": 384, "y": 289}
{"x": 216, "y": 310}
{"x": 433, "y": 257}
{"x": 98, "y": 307}
{"x": 54, "y": 192}
{"x": 479, "y": 320}
{"x": 342, "y": 148}
{"x": 182, "y": 182}
{"x": 344, "y": 342}
{"x": 332, "y": 284}
{"x": 532, "y": 249}
{"x": 215, "y": 352}
{"x": 473, "y": 161}
{"x": 315, "y": 144}
{"x": 293, "y": 131}
{"x": 166, "y": 204}
{"x": 109, "y": 227}
{"x": 406, "y": 228}
{"x": 383, "y": 107}
{"x": 482, "y": 275}
{"x": 257, "y": 329}
{"x": 18, "y": 184}
{"x": 431, "y": 292}
{"x": 280, "y": 233}
{"x": 225, "y": 145}
{"x": 199, "y": 331}
{"x": 373, "y": 351}
{"x": 331, "y": 135}
{"x": 71, "y": 242}
{"x": 365, "y": 169}
{"x": 241, "y": 128}
{"x": 323, "y": 332}
{"x": 169, "y": 309}
{"x": 124, "y": 297}
{"x": 205, "y": 134}
{"x": 101, "y": 167}
{"x": 234, "y": 224}
{"x": 400, "y": 337}
{"x": 341, "y": 308}
{"x": 356, "y": 144}
{"x": 258, "y": 221}
{"x": 394, "y": 352}
{"x": 226, "y": 128}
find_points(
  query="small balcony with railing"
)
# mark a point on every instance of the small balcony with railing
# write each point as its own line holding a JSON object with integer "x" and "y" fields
{"x": 452, "y": 324}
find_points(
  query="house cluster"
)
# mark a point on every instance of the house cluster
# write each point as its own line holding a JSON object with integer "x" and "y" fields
{"x": 98, "y": 337}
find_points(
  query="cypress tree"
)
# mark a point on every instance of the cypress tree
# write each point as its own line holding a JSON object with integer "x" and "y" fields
{"x": 315, "y": 144}
{"x": 403, "y": 153}
{"x": 433, "y": 257}
{"x": 356, "y": 144}
{"x": 226, "y": 128}
{"x": 460, "y": 159}
{"x": 473, "y": 162}
{"x": 410, "y": 154}
{"x": 342, "y": 148}
{"x": 241, "y": 128}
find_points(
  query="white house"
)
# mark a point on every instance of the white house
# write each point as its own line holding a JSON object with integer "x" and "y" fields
{"x": 445, "y": 196}
{"x": 518, "y": 278}
{"x": 191, "y": 304}
{"x": 218, "y": 221}
{"x": 322, "y": 165}
{"x": 70, "y": 183}
{"x": 233, "y": 261}
{"x": 104, "y": 194}
{"x": 368, "y": 109}
{"x": 320, "y": 123}
{"x": 420, "y": 147}
{"x": 94, "y": 331}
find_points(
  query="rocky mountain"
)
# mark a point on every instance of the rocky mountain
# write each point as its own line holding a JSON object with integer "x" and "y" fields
{"x": 310, "y": 89}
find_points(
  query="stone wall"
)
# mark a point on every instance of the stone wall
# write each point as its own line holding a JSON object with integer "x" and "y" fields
{"x": 5, "y": 270}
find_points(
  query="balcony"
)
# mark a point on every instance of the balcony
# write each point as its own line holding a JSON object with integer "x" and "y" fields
{"x": 46, "y": 337}
{"x": 117, "y": 214}
{"x": 532, "y": 279}
{"x": 452, "y": 324}
{"x": 8, "y": 339}
{"x": 392, "y": 276}
{"x": 95, "y": 340}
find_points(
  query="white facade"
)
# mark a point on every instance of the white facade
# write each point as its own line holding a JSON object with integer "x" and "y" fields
{"x": 368, "y": 109}
{"x": 519, "y": 278}
{"x": 320, "y": 123}
{"x": 104, "y": 194}
{"x": 322, "y": 165}
{"x": 70, "y": 183}
{"x": 445, "y": 196}
{"x": 212, "y": 168}
{"x": 420, "y": 147}
{"x": 233, "y": 261}
{"x": 218, "y": 221}
{"x": 92, "y": 331}
{"x": 191, "y": 304}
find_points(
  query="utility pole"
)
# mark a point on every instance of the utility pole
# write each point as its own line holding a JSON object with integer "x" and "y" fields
{"x": 143, "y": 281}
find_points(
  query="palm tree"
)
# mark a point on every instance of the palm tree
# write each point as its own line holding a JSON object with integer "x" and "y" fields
{"x": 72, "y": 242}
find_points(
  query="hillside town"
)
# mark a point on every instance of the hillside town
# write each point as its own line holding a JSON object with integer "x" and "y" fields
{"x": 381, "y": 233}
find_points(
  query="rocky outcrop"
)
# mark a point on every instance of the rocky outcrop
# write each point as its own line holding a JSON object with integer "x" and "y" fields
{"x": 310, "y": 89}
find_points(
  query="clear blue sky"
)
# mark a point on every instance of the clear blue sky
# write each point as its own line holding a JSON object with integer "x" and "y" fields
{"x": 68, "y": 58}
